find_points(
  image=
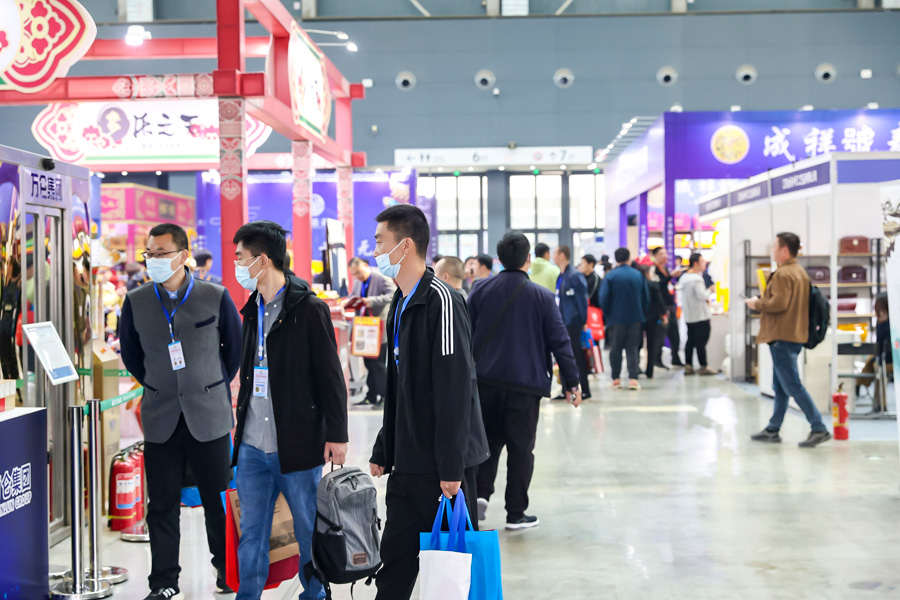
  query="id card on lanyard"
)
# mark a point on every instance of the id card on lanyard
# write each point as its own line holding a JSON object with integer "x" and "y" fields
{"x": 399, "y": 315}
{"x": 176, "y": 352}
{"x": 558, "y": 284}
{"x": 260, "y": 373}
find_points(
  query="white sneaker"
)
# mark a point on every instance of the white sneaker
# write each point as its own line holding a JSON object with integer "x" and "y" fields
{"x": 482, "y": 509}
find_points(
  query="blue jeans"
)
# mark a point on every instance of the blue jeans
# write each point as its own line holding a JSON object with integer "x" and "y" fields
{"x": 787, "y": 385}
{"x": 259, "y": 480}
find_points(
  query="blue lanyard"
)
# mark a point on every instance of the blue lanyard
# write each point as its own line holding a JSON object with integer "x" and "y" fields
{"x": 399, "y": 315}
{"x": 170, "y": 317}
{"x": 558, "y": 283}
{"x": 364, "y": 288}
{"x": 261, "y": 341}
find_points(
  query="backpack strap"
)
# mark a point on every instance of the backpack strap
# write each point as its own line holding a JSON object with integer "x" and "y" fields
{"x": 499, "y": 317}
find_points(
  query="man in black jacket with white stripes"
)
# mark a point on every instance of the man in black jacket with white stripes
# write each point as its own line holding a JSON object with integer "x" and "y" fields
{"x": 433, "y": 437}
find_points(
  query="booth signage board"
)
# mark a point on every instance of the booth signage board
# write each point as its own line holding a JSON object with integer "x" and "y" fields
{"x": 703, "y": 145}
{"x": 137, "y": 132}
{"x": 867, "y": 171}
{"x": 40, "y": 40}
{"x": 42, "y": 187}
{"x": 802, "y": 179}
{"x": 24, "y": 553}
{"x": 131, "y": 202}
{"x": 494, "y": 157}
{"x": 751, "y": 193}
{"x": 713, "y": 205}
{"x": 50, "y": 350}
{"x": 640, "y": 167}
{"x": 310, "y": 90}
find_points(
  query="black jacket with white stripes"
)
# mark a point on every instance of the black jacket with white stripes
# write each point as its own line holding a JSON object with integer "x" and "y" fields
{"x": 432, "y": 415}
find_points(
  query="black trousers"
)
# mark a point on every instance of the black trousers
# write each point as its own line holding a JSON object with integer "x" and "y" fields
{"x": 580, "y": 360}
{"x": 674, "y": 335}
{"x": 698, "y": 336}
{"x": 376, "y": 380}
{"x": 412, "y": 503}
{"x": 627, "y": 338}
{"x": 511, "y": 420}
{"x": 655, "y": 332}
{"x": 211, "y": 465}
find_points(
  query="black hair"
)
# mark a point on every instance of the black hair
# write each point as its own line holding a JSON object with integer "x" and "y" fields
{"x": 486, "y": 261}
{"x": 202, "y": 258}
{"x": 541, "y": 250}
{"x": 881, "y": 305}
{"x": 179, "y": 235}
{"x": 791, "y": 241}
{"x": 589, "y": 259}
{"x": 656, "y": 250}
{"x": 357, "y": 261}
{"x": 436, "y": 259}
{"x": 512, "y": 250}
{"x": 694, "y": 259}
{"x": 622, "y": 255}
{"x": 264, "y": 237}
{"x": 407, "y": 221}
{"x": 643, "y": 269}
{"x": 565, "y": 251}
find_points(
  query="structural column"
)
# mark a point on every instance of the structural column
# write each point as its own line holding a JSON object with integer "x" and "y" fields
{"x": 233, "y": 185}
{"x": 345, "y": 207}
{"x": 302, "y": 153}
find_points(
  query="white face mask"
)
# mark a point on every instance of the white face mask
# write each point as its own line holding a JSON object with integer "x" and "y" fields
{"x": 242, "y": 274}
{"x": 160, "y": 269}
{"x": 384, "y": 262}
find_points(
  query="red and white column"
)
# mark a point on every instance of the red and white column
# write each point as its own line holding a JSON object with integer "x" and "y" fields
{"x": 301, "y": 199}
{"x": 233, "y": 185}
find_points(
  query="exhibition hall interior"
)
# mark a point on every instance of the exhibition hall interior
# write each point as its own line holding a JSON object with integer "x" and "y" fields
{"x": 449, "y": 299}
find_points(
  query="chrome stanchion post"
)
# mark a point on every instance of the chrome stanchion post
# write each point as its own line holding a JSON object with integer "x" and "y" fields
{"x": 96, "y": 570}
{"x": 77, "y": 587}
{"x": 139, "y": 532}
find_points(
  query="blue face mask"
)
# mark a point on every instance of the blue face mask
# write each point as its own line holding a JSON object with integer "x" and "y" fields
{"x": 242, "y": 274}
{"x": 160, "y": 269}
{"x": 384, "y": 262}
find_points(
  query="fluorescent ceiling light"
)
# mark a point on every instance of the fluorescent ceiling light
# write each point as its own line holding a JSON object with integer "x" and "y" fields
{"x": 502, "y": 168}
{"x": 367, "y": 83}
{"x": 735, "y": 107}
{"x": 676, "y": 108}
{"x": 807, "y": 107}
{"x": 872, "y": 105}
{"x": 865, "y": 74}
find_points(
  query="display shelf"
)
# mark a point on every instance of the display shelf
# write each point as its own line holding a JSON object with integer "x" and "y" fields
{"x": 840, "y": 285}
{"x": 840, "y": 315}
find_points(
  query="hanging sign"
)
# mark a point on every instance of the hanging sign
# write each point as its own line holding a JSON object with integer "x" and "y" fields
{"x": 40, "y": 40}
{"x": 137, "y": 132}
{"x": 310, "y": 92}
{"x": 802, "y": 179}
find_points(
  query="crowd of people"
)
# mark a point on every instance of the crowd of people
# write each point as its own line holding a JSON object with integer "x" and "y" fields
{"x": 468, "y": 354}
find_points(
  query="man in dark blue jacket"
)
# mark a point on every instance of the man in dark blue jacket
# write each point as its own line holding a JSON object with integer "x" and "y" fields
{"x": 572, "y": 298}
{"x": 515, "y": 328}
{"x": 624, "y": 298}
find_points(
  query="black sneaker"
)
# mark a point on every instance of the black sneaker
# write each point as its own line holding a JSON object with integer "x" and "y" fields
{"x": 765, "y": 435}
{"x": 363, "y": 402}
{"x": 525, "y": 522}
{"x": 815, "y": 438}
{"x": 559, "y": 398}
{"x": 379, "y": 405}
{"x": 221, "y": 586}
{"x": 165, "y": 594}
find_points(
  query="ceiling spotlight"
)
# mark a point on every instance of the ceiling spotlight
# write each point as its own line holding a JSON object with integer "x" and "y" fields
{"x": 380, "y": 171}
{"x": 676, "y": 108}
{"x": 440, "y": 169}
{"x": 531, "y": 168}
{"x": 341, "y": 35}
{"x": 100, "y": 175}
{"x": 352, "y": 47}
{"x": 562, "y": 167}
{"x": 136, "y": 34}
{"x": 865, "y": 74}
{"x": 592, "y": 166}
{"x": 124, "y": 173}
{"x": 807, "y": 107}
{"x": 735, "y": 107}
{"x": 502, "y": 168}
{"x": 633, "y": 121}
{"x": 471, "y": 169}
{"x": 367, "y": 83}
{"x": 872, "y": 105}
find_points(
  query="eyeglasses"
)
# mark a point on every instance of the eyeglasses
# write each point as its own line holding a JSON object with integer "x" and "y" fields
{"x": 147, "y": 255}
{"x": 238, "y": 262}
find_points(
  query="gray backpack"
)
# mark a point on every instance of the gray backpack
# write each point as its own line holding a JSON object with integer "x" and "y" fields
{"x": 346, "y": 538}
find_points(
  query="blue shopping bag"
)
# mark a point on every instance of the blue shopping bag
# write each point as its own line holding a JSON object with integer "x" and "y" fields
{"x": 484, "y": 546}
{"x": 587, "y": 340}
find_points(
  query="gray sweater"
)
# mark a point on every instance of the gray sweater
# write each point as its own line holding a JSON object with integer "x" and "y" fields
{"x": 209, "y": 329}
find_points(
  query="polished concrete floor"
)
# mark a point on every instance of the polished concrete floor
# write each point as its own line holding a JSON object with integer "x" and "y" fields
{"x": 659, "y": 494}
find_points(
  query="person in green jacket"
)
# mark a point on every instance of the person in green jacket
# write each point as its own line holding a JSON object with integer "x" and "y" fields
{"x": 544, "y": 272}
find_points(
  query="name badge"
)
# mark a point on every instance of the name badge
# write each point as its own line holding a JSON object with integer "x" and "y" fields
{"x": 176, "y": 356}
{"x": 570, "y": 292}
{"x": 260, "y": 382}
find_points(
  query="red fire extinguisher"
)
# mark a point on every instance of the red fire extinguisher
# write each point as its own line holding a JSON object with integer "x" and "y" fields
{"x": 840, "y": 414}
{"x": 138, "y": 457}
{"x": 121, "y": 493}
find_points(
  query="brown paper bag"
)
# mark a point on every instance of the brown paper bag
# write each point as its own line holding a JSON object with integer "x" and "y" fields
{"x": 282, "y": 542}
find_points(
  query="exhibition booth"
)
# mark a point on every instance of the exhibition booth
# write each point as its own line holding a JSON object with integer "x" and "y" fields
{"x": 654, "y": 185}
{"x": 834, "y": 203}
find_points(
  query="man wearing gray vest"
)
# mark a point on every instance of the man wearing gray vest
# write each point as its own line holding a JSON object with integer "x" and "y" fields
{"x": 181, "y": 339}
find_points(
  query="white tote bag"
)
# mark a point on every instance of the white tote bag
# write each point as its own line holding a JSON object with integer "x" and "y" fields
{"x": 444, "y": 575}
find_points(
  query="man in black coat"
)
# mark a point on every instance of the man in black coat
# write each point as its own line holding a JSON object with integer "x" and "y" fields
{"x": 292, "y": 406}
{"x": 515, "y": 328}
{"x": 432, "y": 439}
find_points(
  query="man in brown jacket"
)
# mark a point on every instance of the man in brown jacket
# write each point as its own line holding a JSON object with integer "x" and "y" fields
{"x": 784, "y": 325}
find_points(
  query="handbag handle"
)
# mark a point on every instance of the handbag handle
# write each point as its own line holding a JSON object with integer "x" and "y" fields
{"x": 443, "y": 509}
{"x": 457, "y": 539}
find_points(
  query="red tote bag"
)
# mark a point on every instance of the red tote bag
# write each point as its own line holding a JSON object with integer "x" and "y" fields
{"x": 279, "y": 572}
{"x": 595, "y": 322}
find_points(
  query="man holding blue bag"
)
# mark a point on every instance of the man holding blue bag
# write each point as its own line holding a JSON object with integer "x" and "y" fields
{"x": 433, "y": 437}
